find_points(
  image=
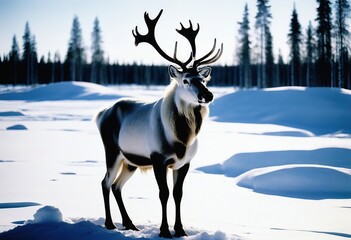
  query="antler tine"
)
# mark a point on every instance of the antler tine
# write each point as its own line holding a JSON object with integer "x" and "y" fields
{"x": 214, "y": 58}
{"x": 175, "y": 51}
{"x": 190, "y": 34}
{"x": 151, "y": 23}
{"x": 189, "y": 59}
{"x": 175, "y": 57}
{"x": 198, "y": 61}
{"x": 137, "y": 36}
{"x": 150, "y": 36}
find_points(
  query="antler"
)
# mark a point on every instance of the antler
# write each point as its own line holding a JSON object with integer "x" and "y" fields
{"x": 203, "y": 61}
{"x": 188, "y": 33}
{"x": 150, "y": 38}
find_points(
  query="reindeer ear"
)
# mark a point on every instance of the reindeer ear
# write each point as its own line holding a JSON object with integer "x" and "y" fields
{"x": 205, "y": 72}
{"x": 173, "y": 72}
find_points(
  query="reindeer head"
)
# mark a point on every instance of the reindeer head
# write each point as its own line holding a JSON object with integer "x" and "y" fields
{"x": 190, "y": 76}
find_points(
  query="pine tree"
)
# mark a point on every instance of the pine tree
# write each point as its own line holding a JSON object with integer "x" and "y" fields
{"x": 281, "y": 71}
{"x": 14, "y": 58}
{"x": 97, "y": 58}
{"x": 245, "y": 50}
{"x": 262, "y": 23}
{"x": 59, "y": 68}
{"x": 26, "y": 56}
{"x": 34, "y": 61}
{"x": 324, "y": 56}
{"x": 75, "y": 57}
{"x": 342, "y": 13}
{"x": 295, "y": 40}
{"x": 29, "y": 56}
{"x": 269, "y": 70}
{"x": 310, "y": 55}
{"x": 51, "y": 67}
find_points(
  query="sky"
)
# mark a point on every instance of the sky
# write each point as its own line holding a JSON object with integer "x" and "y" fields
{"x": 51, "y": 21}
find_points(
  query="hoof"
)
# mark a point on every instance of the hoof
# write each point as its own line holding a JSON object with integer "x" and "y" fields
{"x": 165, "y": 234}
{"x": 110, "y": 226}
{"x": 180, "y": 233}
{"x": 130, "y": 226}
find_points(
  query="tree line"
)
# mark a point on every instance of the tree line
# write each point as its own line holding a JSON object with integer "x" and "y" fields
{"x": 318, "y": 56}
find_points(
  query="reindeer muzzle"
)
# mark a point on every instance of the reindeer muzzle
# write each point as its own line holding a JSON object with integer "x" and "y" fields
{"x": 205, "y": 96}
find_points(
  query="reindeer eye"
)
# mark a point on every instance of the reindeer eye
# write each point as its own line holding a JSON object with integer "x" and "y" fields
{"x": 185, "y": 81}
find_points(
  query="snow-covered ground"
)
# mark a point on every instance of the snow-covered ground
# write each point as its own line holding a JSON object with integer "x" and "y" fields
{"x": 272, "y": 164}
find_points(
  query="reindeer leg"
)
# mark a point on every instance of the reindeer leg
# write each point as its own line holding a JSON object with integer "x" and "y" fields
{"x": 178, "y": 178}
{"x": 106, "y": 193}
{"x": 112, "y": 168}
{"x": 160, "y": 170}
{"x": 126, "y": 172}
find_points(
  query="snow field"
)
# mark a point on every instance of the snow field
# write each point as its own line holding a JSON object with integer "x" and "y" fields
{"x": 260, "y": 173}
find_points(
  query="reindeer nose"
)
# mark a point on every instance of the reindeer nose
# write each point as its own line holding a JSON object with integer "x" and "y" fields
{"x": 209, "y": 97}
{"x": 206, "y": 95}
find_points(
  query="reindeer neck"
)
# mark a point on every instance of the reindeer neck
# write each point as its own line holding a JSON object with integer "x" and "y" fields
{"x": 182, "y": 121}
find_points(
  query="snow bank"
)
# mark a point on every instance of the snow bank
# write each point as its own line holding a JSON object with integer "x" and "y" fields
{"x": 47, "y": 214}
{"x": 244, "y": 162}
{"x": 17, "y": 127}
{"x": 299, "y": 181}
{"x": 48, "y": 224}
{"x": 11, "y": 114}
{"x": 62, "y": 91}
{"x": 60, "y": 230}
{"x": 319, "y": 110}
{"x": 315, "y": 174}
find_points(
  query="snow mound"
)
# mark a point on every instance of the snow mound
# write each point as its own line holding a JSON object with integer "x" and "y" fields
{"x": 17, "y": 127}
{"x": 48, "y": 224}
{"x": 313, "y": 174}
{"x": 11, "y": 114}
{"x": 244, "y": 162}
{"x": 62, "y": 91}
{"x": 47, "y": 214}
{"x": 319, "y": 110}
{"x": 299, "y": 181}
{"x": 60, "y": 230}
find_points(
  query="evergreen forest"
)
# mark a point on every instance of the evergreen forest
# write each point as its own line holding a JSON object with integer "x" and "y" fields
{"x": 319, "y": 56}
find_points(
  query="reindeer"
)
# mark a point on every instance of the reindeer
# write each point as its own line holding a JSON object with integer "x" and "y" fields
{"x": 161, "y": 134}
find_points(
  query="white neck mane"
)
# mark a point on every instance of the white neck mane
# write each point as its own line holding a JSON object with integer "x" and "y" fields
{"x": 172, "y": 106}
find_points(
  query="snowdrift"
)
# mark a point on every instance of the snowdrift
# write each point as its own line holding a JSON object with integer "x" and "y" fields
{"x": 300, "y": 181}
{"x": 62, "y": 91}
{"x": 318, "y": 110}
{"x": 48, "y": 223}
{"x": 316, "y": 174}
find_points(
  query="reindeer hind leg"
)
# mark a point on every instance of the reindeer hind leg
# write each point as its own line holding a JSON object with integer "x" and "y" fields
{"x": 113, "y": 164}
{"x": 109, "y": 127}
{"x": 126, "y": 172}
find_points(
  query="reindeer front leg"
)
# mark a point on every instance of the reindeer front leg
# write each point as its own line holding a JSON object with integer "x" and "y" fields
{"x": 178, "y": 178}
{"x": 160, "y": 170}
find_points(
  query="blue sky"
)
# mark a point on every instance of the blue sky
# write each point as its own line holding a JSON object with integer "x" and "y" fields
{"x": 51, "y": 20}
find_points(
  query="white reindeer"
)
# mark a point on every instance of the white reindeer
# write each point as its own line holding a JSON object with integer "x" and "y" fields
{"x": 160, "y": 134}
